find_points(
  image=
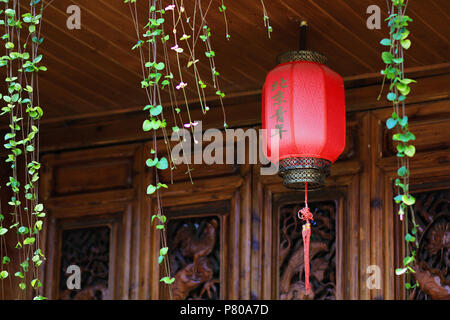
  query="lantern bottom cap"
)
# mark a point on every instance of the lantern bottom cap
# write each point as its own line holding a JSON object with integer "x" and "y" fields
{"x": 296, "y": 178}
{"x": 296, "y": 171}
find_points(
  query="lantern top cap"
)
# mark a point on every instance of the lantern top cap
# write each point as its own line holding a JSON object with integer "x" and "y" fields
{"x": 302, "y": 55}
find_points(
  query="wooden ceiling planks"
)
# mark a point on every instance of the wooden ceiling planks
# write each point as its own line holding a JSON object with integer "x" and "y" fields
{"x": 93, "y": 70}
{"x": 428, "y": 29}
{"x": 420, "y": 52}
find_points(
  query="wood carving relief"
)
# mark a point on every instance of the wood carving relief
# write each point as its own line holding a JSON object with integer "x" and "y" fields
{"x": 87, "y": 248}
{"x": 433, "y": 261}
{"x": 322, "y": 254}
{"x": 195, "y": 257}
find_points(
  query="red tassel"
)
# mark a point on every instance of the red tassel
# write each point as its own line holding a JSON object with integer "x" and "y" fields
{"x": 306, "y": 232}
{"x": 306, "y": 216}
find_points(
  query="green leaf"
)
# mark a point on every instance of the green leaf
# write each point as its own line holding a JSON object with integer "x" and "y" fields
{"x": 403, "y": 121}
{"x": 35, "y": 283}
{"x": 6, "y": 260}
{"x": 386, "y": 42}
{"x": 4, "y": 274}
{"x": 162, "y": 164}
{"x": 38, "y": 59}
{"x": 3, "y": 231}
{"x": 391, "y": 96}
{"x": 408, "y": 199}
{"x": 407, "y": 260}
{"x": 23, "y": 230}
{"x": 210, "y": 54}
{"x": 10, "y": 12}
{"x": 147, "y": 125}
{"x": 155, "y": 111}
{"x": 160, "y": 259}
{"x": 151, "y": 162}
{"x": 404, "y": 137}
{"x": 160, "y": 66}
{"x": 398, "y": 198}
{"x": 401, "y": 148}
{"x": 163, "y": 251}
{"x": 407, "y": 81}
{"x": 402, "y": 171}
{"x": 391, "y": 123}
{"x": 387, "y": 57}
{"x": 410, "y": 136}
{"x": 167, "y": 280}
{"x": 403, "y": 88}
{"x": 38, "y": 225}
{"x": 410, "y": 238}
{"x": 406, "y": 43}
{"x": 22, "y": 286}
{"x": 400, "y": 271}
{"x": 410, "y": 151}
{"x": 29, "y": 241}
{"x": 151, "y": 189}
{"x": 405, "y": 34}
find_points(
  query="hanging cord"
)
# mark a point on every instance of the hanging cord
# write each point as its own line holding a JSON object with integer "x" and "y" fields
{"x": 306, "y": 216}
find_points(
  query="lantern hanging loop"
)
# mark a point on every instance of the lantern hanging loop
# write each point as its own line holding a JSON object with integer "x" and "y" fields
{"x": 303, "y": 32}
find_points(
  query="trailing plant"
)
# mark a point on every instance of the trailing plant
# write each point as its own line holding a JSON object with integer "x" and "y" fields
{"x": 22, "y": 64}
{"x": 172, "y": 34}
{"x": 399, "y": 88}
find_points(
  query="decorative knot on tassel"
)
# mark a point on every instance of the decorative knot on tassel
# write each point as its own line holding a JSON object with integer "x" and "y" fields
{"x": 305, "y": 215}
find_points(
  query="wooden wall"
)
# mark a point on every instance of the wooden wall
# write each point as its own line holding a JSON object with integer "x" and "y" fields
{"x": 245, "y": 221}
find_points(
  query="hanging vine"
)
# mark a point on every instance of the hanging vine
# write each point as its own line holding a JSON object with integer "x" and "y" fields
{"x": 22, "y": 64}
{"x": 398, "y": 91}
{"x": 171, "y": 33}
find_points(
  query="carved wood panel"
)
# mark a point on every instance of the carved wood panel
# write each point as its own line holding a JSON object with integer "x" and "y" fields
{"x": 322, "y": 252}
{"x": 432, "y": 211}
{"x": 195, "y": 257}
{"x": 199, "y": 242}
{"x": 89, "y": 249}
{"x": 91, "y": 200}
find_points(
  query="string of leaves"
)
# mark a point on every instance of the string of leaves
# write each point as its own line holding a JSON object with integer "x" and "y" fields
{"x": 171, "y": 44}
{"x": 399, "y": 89}
{"x": 22, "y": 63}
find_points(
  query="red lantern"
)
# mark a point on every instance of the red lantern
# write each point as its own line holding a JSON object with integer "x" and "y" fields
{"x": 304, "y": 100}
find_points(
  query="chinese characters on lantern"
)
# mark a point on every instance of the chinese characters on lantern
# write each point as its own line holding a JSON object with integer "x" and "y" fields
{"x": 278, "y": 101}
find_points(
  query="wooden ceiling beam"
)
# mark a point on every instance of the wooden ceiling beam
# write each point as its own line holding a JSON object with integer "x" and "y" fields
{"x": 242, "y": 111}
